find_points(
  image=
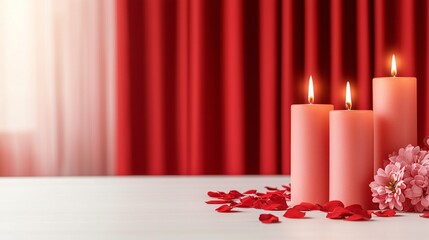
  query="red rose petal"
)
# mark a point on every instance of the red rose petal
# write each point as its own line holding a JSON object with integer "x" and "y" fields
{"x": 386, "y": 213}
{"x": 271, "y": 188}
{"x": 268, "y": 218}
{"x": 275, "y": 207}
{"x": 251, "y": 191}
{"x": 425, "y": 215}
{"x": 354, "y": 208}
{"x": 300, "y": 208}
{"x": 331, "y": 205}
{"x": 215, "y": 194}
{"x": 356, "y": 217}
{"x": 286, "y": 187}
{"x": 247, "y": 202}
{"x": 219, "y": 201}
{"x": 259, "y": 204}
{"x": 275, "y": 198}
{"x": 293, "y": 213}
{"x": 224, "y": 208}
{"x": 306, "y": 206}
{"x": 339, "y": 213}
{"x": 364, "y": 213}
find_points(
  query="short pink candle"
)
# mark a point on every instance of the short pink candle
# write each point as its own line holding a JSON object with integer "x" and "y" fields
{"x": 310, "y": 151}
{"x": 395, "y": 114}
{"x": 351, "y": 155}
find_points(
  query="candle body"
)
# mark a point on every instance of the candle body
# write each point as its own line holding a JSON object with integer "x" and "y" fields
{"x": 395, "y": 116}
{"x": 310, "y": 153}
{"x": 351, "y": 157}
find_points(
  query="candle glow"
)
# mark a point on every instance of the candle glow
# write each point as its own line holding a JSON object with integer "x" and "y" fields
{"x": 393, "y": 70}
{"x": 348, "y": 97}
{"x": 310, "y": 90}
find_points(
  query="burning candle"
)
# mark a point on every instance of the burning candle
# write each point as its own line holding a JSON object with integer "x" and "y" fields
{"x": 351, "y": 154}
{"x": 395, "y": 114}
{"x": 310, "y": 150}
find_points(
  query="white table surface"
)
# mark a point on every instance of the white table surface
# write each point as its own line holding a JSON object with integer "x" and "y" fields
{"x": 167, "y": 208}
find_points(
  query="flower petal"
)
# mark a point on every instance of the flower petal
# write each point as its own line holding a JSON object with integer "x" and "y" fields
{"x": 425, "y": 215}
{"x": 385, "y": 213}
{"x": 306, "y": 206}
{"x": 275, "y": 207}
{"x": 293, "y": 213}
{"x": 246, "y": 202}
{"x": 268, "y": 218}
{"x": 224, "y": 208}
{"x": 218, "y": 201}
{"x": 339, "y": 213}
{"x": 331, "y": 205}
{"x": 354, "y": 208}
{"x": 215, "y": 194}
{"x": 271, "y": 188}
{"x": 251, "y": 191}
{"x": 356, "y": 217}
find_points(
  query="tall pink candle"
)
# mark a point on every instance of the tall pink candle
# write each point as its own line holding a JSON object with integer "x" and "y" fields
{"x": 395, "y": 114}
{"x": 310, "y": 151}
{"x": 351, "y": 155}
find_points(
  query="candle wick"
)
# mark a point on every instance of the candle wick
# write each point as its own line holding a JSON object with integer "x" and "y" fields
{"x": 348, "y": 105}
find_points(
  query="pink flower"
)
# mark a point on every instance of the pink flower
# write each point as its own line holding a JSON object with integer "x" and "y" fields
{"x": 387, "y": 189}
{"x": 417, "y": 187}
{"x": 409, "y": 155}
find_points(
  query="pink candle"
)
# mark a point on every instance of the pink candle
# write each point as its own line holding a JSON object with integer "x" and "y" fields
{"x": 351, "y": 155}
{"x": 310, "y": 151}
{"x": 395, "y": 114}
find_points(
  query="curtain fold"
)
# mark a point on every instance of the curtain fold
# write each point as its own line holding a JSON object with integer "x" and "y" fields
{"x": 205, "y": 87}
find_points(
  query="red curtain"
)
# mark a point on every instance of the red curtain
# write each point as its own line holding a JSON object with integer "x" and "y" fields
{"x": 205, "y": 86}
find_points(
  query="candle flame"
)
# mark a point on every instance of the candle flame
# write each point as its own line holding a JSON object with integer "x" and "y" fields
{"x": 348, "y": 97}
{"x": 393, "y": 70}
{"x": 310, "y": 90}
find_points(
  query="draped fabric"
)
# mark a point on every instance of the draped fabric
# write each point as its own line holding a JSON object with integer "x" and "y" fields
{"x": 205, "y": 87}
{"x": 57, "y": 81}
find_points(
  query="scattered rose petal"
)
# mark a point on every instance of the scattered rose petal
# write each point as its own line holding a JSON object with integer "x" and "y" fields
{"x": 268, "y": 218}
{"x": 364, "y": 213}
{"x": 300, "y": 208}
{"x": 293, "y": 213}
{"x": 275, "y": 207}
{"x": 247, "y": 202}
{"x": 425, "y": 215}
{"x": 356, "y": 217}
{"x": 271, "y": 188}
{"x": 386, "y": 213}
{"x": 331, "y": 205}
{"x": 215, "y": 194}
{"x": 224, "y": 208}
{"x": 286, "y": 187}
{"x": 219, "y": 201}
{"x": 251, "y": 191}
{"x": 275, "y": 198}
{"x": 305, "y": 206}
{"x": 354, "y": 208}
{"x": 339, "y": 213}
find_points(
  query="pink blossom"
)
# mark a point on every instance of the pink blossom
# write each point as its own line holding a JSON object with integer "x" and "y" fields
{"x": 409, "y": 155}
{"x": 417, "y": 187}
{"x": 387, "y": 189}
